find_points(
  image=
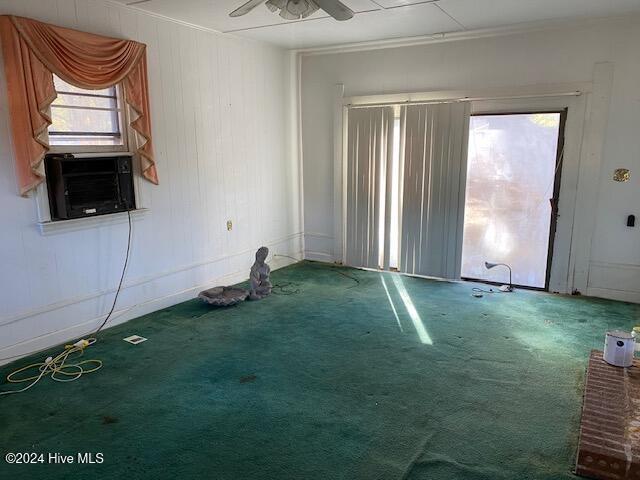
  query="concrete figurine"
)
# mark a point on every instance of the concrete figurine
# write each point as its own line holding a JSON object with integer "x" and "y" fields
{"x": 259, "y": 276}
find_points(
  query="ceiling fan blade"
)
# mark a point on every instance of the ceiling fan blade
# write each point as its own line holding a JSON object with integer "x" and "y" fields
{"x": 335, "y": 8}
{"x": 246, "y": 8}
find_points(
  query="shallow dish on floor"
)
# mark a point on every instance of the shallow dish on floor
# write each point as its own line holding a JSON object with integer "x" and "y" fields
{"x": 223, "y": 296}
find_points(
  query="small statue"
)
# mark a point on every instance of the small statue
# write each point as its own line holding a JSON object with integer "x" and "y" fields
{"x": 259, "y": 276}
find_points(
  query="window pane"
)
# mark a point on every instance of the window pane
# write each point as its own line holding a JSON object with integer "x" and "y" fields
{"x": 394, "y": 234}
{"x": 510, "y": 179}
{"x": 62, "y": 86}
{"x": 72, "y": 112}
{"x": 70, "y": 120}
{"x": 84, "y": 101}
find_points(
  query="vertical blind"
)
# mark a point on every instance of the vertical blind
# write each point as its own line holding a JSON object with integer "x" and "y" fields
{"x": 369, "y": 145}
{"x": 431, "y": 161}
{"x": 434, "y": 138}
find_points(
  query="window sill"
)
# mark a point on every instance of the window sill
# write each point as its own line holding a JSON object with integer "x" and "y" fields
{"x": 74, "y": 224}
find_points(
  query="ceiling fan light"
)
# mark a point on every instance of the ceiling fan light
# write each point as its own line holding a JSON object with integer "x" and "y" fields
{"x": 297, "y": 7}
{"x": 274, "y": 5}
{"x": 313, "y": 8}
{"x": 284, "y": 13}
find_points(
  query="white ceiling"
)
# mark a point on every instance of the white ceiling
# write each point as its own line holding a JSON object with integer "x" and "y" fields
{"x": 379, "y": 19}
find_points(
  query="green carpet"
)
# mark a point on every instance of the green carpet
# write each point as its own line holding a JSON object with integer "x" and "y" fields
{"x": 322, "y": 381}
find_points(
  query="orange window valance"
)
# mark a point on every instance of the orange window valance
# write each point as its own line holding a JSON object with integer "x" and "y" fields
{"x": 33, "y": 51}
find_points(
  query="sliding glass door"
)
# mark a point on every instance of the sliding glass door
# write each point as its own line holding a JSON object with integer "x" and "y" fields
{"x": 404, "y": 187}
{"x": 513, "y": 180}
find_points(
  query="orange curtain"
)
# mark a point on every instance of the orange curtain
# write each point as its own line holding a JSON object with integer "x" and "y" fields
{"x": 33, "y": 51}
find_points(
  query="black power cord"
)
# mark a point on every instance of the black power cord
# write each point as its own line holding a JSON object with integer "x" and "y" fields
{"x": 285, "y": 289}
{"x": 115, "y": 300}
{"x": 334, "y": 268}
{"x": 124, "y": 270}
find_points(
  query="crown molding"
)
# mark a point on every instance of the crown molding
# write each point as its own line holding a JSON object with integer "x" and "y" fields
{"x": 520, "y": 28}
{"x": 137, "y": 9}
{"x": 399, "y": 42}
{"x": 159, "y": 16}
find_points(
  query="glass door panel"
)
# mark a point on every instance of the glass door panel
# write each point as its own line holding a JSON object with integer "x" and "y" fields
{"x": 511, "y": 181}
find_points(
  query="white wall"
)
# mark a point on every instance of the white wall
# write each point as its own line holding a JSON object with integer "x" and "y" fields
{"x": 221, "y": 116}
{"x": 535, "y": 58}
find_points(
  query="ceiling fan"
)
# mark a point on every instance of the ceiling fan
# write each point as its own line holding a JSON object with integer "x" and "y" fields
{"x": 297, "y": 9}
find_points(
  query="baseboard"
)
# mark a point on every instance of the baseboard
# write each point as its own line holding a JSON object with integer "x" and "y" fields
{"x": 137, "y": 299}
{"x": 615, "y": 281}
{"x": 118, "y": 317}
{"x": 147, "y": 279}
{"x": 319, "y": 256}
{"x": 318, "y": 235}
{"x": 610, "y": 294}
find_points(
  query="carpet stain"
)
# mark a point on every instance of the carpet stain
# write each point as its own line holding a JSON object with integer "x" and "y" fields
{"x": 248, "y": 378}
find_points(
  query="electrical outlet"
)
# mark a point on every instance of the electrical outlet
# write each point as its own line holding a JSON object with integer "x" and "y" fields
{"x": 229, "y": 225}
{"x": 135, "y": 339}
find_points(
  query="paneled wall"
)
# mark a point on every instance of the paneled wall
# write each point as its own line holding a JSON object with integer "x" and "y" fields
{"x": 221, "y": 119}
{"x": 560, "y": 55}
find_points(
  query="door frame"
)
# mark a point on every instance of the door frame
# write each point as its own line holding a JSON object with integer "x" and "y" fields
{"x": 572, "y": 109}
{"x": 587, "y": 103}
{"x": 557, "y": 181}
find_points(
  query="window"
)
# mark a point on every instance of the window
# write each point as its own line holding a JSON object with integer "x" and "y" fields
{"x": 86, "y": 120}
{"x": 394, "y": 207}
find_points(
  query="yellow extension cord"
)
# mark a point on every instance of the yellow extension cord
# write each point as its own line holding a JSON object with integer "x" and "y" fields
{"x": 57, "y": 367}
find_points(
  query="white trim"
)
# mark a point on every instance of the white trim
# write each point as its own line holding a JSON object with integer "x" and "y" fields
{"x": 338, "y": 174}
{"x": 595, "y": 130}
{"x": 134, "y": 283}
{"x": 561, "y": 280}
{"x": 118, "y": 317}
{"x": 610, "y": 294}
{"x": 342, "y": 199}
{"x": 400, "y": 42}
{"x": 138, "y": 10}
{"x": 123, "y": 315}
{"x": 299, "y": 151}
{"x": 575, "y": 93}
{"x": 624, "y": 266}
{"x": 502, "y": 93}
{"x": 129, "y": 312}
{"x": 90, "y": 149}
{"x": 319, "y": 256}
{"x": 614, "y": 280}
{"x": 319, "y": 235}
{"x": 124, "y": 116}
{"x": 527, "y": 27}
{"x": 63, "y": 226}
{"x": 41, "y": 197}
